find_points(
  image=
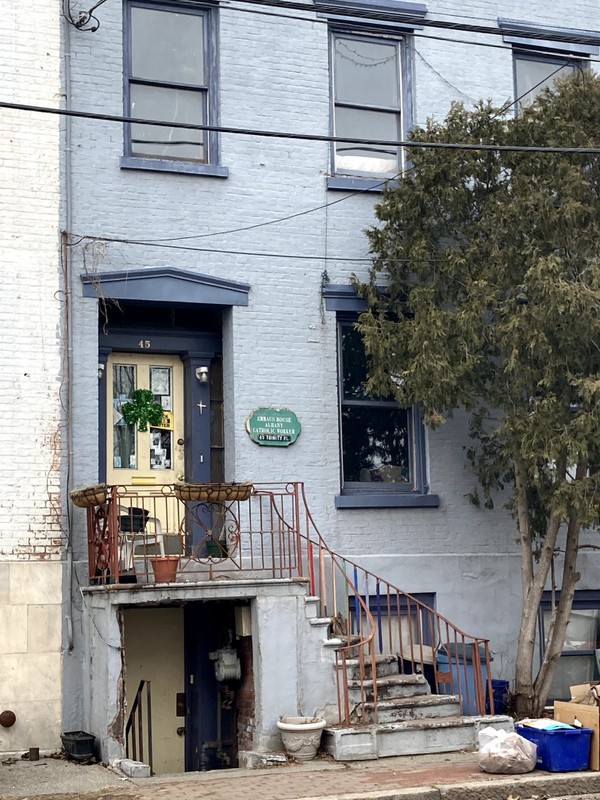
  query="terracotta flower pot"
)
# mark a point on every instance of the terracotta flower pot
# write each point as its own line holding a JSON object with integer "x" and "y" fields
{"x": 165, "y": 568}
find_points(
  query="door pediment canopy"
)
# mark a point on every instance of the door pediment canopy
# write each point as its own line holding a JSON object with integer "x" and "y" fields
{"x": 165, "y": 284}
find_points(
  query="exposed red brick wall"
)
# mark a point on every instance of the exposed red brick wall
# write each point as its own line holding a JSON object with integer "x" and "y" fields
{"x": 245, "y": 696}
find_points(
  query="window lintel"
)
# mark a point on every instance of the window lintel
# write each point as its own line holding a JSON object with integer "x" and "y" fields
{"x": 560, "y": 40}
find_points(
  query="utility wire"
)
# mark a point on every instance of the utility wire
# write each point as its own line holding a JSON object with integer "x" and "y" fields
{"x": 309, "y": 137}
{"x": 303, "y": 213}
{"x": 442, "y": 78}
{"x": 261, "y": 254}
{"x": 411, "y": 19}
{"x": 417, "y": 34}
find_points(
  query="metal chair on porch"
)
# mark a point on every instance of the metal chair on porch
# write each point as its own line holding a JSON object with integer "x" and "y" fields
{"x": 133, "y": 533}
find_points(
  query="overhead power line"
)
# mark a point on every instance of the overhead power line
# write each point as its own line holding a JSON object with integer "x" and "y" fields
{"x": 309, "y": 137}
{"x": 413, "y": 20}
{"x": 261, "y": 253}
{"x": 417, "y": 34}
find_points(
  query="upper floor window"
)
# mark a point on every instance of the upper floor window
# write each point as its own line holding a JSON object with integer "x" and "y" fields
{"x": 533, "y": 73}
{"x": 171, "y": 77}
{"x": 367, "y": 103}
{"x": 540, "y": 61}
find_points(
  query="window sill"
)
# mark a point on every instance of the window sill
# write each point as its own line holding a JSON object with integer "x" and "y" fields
{"x": 178, "y": 167}
{"x": 387, "y": 500}
{"x": 346, "y": 183}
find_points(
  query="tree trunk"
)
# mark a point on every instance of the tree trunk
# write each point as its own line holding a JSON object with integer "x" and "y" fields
{"x": 533, "y": 583}
{"x": 562, "y": 612}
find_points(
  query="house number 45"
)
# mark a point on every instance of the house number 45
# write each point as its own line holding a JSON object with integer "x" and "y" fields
{"x": 144, "y": 344}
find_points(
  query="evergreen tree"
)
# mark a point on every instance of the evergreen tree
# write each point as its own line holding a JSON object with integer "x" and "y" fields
{"x": 491, "y": 303}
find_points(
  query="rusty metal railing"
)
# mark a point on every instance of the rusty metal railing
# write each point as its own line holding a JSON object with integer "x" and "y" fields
{"x": 138, "y": 730}
{"x": 140, "y": 533}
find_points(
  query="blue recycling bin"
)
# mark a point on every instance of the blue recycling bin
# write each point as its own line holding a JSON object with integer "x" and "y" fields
{"x": 458, "y": 660}
{"x": 501, "y": 698}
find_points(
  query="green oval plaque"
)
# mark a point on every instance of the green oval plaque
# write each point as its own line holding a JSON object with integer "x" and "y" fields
{"x": 273, "y": 427}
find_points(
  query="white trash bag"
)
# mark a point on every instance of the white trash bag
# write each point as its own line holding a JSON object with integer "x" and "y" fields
{"x": 506, "y": 753}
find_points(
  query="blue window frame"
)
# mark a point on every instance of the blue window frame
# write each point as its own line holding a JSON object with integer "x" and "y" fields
{"x": 417, "y": 623}
{"x": 367, "y": 103}
{"x": 170, "y": 75}
{"x": 371, "y": 87}
{"x": 534, "y": 72}
{"x": 578, "y": 662}
{"x": 539, "y": 62}
{"x": 364, "y": 452}
{"x": 382, "y": 444}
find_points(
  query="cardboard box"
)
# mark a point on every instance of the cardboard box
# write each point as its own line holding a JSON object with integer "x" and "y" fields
{"x": 586, "y": 693}
{"x": 587, "y": 717}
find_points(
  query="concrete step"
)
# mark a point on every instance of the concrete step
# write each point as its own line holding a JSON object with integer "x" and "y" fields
{"x": 384, "y": 665}
{"x": 390, "y": 687}
{"x": 412, "y": 737}
{"x": 433, "y": 706}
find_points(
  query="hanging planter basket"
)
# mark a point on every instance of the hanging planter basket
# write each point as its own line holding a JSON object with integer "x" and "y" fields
{"x": 213, "y": 492}
{"x": 89, "y": 496}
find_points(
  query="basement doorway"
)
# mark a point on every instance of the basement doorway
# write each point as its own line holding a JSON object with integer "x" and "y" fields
{"x": 199, "y": 666}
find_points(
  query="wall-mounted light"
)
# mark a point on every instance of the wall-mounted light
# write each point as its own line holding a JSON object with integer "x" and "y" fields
{"x": 202, "y": 374}
{"x": 100, "y": 371}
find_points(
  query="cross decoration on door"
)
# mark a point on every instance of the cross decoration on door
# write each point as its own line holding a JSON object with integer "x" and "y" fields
{"x": 201, "y": 406}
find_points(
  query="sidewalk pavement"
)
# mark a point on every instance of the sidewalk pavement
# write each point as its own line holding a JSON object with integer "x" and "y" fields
{"x": 444, "y": 776}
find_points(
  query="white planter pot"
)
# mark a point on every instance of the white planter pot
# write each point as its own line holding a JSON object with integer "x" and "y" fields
{"x": 301, "y": 736}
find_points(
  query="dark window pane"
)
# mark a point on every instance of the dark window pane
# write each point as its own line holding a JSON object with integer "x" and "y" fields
{"x": 376, "y": 444}
{"x": 366, "y": 73}
{"x": 167, "y": 47}
{"x": 354, "y": 366}
{"x": 362, "y": 124}
{"x": 170, "y": 105}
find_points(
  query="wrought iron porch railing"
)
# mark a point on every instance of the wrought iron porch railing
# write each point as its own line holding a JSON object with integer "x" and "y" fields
{"x": 270, "y": 533}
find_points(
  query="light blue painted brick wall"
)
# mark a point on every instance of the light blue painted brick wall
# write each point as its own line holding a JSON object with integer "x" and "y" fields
{"x": 281, "y": 349}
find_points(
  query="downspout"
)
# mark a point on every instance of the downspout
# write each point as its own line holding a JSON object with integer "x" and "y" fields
{"x": 68, "y": 334}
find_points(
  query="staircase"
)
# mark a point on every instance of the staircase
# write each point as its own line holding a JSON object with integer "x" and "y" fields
{"x": 407, "y": 679}
{"x": 410, "y": 719}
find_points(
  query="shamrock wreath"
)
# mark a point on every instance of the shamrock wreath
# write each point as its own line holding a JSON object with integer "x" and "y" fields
{"x": 142, "y": 409}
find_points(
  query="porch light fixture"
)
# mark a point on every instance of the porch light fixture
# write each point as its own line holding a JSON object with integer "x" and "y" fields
{"x": 202, "y": 374}
{"x": 100, "y": 371}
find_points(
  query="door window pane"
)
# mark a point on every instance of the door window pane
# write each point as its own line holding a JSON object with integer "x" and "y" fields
{"x": 161, "y": 437}
{"x": 124, "y": 439}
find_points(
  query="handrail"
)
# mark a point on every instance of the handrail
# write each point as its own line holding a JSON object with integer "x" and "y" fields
{"x": 136, "y": 719}
{"x": 473, "y": 685}
{"x": 271, "y": 533}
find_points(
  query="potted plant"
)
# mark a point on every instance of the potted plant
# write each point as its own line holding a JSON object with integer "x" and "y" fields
{"x": 301, "y": 736}
{"x": 165, "y": 568}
